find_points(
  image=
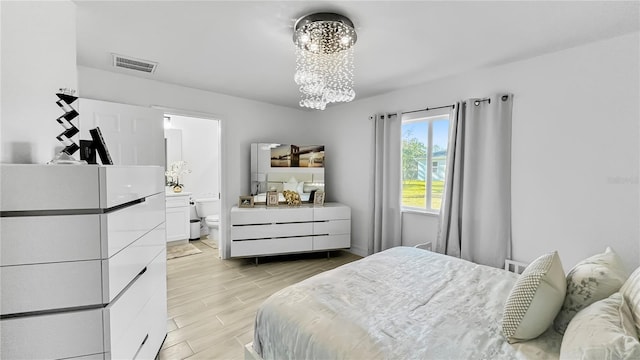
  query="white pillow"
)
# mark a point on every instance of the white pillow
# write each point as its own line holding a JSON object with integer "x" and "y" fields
{"x": 631, "y": 292}
{"x": 535, "y": 299}
{"x": 602, "y": 330}
{"x": 291, "y": 185}
{"x": 592, "y": 279}
{"x": 300, "y": 187}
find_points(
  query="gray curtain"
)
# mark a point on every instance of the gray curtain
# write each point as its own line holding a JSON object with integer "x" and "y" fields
{"x": 386, "y": 152}
{"x": 475, "y": 222}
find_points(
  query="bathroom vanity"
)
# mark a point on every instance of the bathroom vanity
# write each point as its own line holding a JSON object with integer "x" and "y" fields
{"x": 178, "y": 215}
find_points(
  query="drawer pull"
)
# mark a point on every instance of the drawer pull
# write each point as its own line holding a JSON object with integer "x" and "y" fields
{"x": 140, "y": 347}
{"x": 142, "y": 271}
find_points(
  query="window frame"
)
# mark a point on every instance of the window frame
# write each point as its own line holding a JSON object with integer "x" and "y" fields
{"x": 430, "y": 117}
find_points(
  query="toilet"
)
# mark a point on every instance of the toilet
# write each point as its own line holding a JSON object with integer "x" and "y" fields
{"x": 209, "y": 209}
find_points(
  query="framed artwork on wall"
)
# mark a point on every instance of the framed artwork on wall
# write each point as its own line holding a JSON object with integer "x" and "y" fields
{"x": 272, "y": 198}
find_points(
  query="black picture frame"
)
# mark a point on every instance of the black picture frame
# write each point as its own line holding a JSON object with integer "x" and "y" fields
{"x": 100, "y": 146}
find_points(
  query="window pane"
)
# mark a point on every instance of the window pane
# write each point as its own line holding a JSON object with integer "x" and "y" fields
{"x": 414, "y": 161}
{"x": 439, "y": 161}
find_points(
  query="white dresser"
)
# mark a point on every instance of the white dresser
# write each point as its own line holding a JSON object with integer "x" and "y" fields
{"x": 83, "y": 264}
{"x": 261, "y": 230}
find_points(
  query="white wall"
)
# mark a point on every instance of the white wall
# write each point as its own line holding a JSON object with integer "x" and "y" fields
{"x": 200, "y": 150}
{"x": 38, "y": 58}
{"x": 575, "y": 149}
{"x": 242, "y": 121}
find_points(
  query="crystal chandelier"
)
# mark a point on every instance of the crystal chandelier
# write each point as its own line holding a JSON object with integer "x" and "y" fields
{"x": 324, "y": 59}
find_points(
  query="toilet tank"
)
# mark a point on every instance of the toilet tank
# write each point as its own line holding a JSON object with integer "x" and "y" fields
{"x": 207, "y": 206}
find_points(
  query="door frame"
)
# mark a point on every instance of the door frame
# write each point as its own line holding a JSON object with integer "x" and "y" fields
{"x": 224, "y": 214}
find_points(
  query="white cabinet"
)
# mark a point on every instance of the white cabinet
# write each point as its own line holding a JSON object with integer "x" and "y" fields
{"x": 178, "y": 214}
{"x": 268, "y": 231}
{"x": 82, "y": 262}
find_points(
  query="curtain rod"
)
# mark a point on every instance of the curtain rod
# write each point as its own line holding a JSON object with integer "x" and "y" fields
{"x": 427, "y": 109}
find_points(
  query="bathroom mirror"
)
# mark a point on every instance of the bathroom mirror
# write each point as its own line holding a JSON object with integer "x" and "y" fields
{"x": 279, "y": 167}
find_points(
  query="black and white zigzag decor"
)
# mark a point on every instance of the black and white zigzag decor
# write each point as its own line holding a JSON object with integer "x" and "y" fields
{"x": 66, "y": 99}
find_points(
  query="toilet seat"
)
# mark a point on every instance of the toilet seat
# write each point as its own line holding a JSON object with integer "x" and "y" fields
{"x": 212, "y": 220}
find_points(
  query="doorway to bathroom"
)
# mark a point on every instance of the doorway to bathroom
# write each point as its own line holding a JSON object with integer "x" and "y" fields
{"x": 192, "y": 149}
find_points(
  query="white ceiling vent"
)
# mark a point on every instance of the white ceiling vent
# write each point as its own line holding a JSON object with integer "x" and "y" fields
{"x": 130, "y": 63}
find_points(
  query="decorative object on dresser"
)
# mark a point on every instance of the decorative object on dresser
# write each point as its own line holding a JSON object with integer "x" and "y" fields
{"x": 100, "y": 146}
{"x": 318, "y": 198}
{"x": 291, "y": 197}
{"x": 272, "y": 199}
{"x": 264, "y": 231}
{"x": 83, "y": 263}
{"x": 245, "y": 201}
{"x": 65, "y": 156}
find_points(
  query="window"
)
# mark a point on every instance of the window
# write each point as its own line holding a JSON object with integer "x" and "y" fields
{"x": 424, "y": 141}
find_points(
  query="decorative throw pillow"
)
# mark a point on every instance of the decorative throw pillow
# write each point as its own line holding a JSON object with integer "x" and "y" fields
{"x": 535, "y": 299}
{"x": 300, "y": 187}
{"x": 602, "y": 330}
{"x": 630, "y": 290}
{"x": 592, "y": 279}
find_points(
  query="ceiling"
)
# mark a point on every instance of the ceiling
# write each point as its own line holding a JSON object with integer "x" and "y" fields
{"x": 245, "y": 48}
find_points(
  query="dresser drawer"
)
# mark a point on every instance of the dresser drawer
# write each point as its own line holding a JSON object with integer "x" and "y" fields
{"x": 37, "y": 287}
{"x": 177, "y": 201}
{"x": 271, "y": 231}
{"x": 333, "y": 227}
{"x": 122, "y": 184}
{"x": 331, "y": 211}
{"x": 45, "y": 239}
{"x": 241, "y": 216}
{"x": 45, "y": 187}
{"x": 156, "y": 310}
{"x": 124, "y": 226}
{"x": 326, "y": 242}
{"x": 271, "y": 246}
{"x": 53, "y": 336}
{"x": 124, "y": 266}
{"x": 128, "y": 319}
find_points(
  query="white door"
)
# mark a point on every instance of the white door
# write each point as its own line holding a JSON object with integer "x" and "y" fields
{"x": 134, "y": 135}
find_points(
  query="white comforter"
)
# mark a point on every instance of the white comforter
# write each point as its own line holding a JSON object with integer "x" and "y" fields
{"x": 402, "y": 303}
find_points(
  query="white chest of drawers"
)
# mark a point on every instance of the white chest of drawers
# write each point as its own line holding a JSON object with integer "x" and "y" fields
{"x": 82, "y": 261}
{"x": 262, "y": 231}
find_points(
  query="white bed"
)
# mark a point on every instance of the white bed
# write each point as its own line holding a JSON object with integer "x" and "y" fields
{"x": 402, "y": 303}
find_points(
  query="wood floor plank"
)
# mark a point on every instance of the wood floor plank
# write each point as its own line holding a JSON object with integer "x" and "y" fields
{"x": 211, "y": 303}
{"x": 179, "y": 351}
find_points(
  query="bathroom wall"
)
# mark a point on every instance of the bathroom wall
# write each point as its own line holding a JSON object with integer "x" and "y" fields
{"x": 200, "y": 149}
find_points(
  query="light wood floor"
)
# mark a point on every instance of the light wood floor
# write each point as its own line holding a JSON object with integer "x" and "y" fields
{"x": 212, "y": 302}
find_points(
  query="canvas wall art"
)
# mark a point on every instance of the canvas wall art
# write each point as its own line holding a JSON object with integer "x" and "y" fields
{"x": 294, "y": 156}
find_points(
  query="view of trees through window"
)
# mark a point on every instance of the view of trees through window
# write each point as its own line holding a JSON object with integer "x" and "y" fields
{"x": 424, "y": 143}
